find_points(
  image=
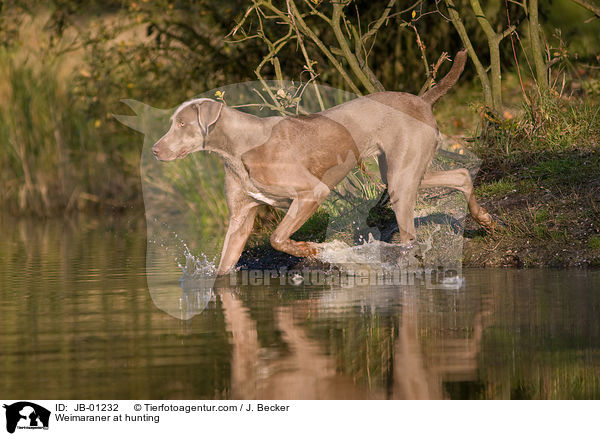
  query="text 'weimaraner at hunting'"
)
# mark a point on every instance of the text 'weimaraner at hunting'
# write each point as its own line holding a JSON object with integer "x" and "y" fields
{"x": 294, "y": 162}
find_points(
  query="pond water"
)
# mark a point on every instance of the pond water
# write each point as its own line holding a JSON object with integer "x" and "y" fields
{"x": 77, "y": 321}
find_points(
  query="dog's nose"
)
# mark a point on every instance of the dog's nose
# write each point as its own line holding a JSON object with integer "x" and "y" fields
{"x": 155, "y": 151}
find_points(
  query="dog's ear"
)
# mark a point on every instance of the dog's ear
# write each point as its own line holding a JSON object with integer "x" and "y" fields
{"x": 208, "y": 114}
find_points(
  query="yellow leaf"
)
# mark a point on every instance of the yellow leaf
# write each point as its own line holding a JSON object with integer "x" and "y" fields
{"x": 414, "y": 14}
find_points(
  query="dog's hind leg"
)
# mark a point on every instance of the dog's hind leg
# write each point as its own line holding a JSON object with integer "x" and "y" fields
{"x": 460, "y": 179}
{"x": 303, "y": 206}
{"x": 383, "y": 169}
{"x": 406, "y": 166}
{"x": 403, "y": 197}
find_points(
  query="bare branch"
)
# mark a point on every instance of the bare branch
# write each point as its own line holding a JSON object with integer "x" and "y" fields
{"x": 359, "y": 49}
{"x": 309, "y": 64}
{"x": 422, "y": 49}
{"x": 464, "y": 36}
{"x": 350, "y": 57}
{"x": 589, "y": 6}
{"x": 274, "y": 107}
{"x": 482, "y": 19}
{"x": 239, "y": 25}
{"x": 507, "y": 32}
{"x": 431, "y": 79}
{"x": 304, "y": 28}
{"x": 318, "y": 13}
{"x": 379, "y": 22}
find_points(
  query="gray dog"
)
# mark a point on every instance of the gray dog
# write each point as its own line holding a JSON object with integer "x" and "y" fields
{"x": 294, "y": 162}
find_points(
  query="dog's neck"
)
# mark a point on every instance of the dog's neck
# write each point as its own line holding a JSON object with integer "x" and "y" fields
{"x": 235, "y": 133}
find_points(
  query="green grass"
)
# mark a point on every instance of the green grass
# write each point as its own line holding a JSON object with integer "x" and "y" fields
{"x": 499, "y": 187}
{"x": 571, "y": 169}
{"x": 315, "y": 228}
{"x": 548, "y": 126}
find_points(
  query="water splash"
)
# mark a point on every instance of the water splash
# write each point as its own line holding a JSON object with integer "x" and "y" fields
{"x": 197, "y": 280}
{"x": 196, "y": 266}
{"x": 372, "y": 254}
{"x": 171, "y": 245}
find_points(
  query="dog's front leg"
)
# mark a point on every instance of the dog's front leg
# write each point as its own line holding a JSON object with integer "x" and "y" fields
{"x": 242, "y": 211}
{"x": 240, "y": 226}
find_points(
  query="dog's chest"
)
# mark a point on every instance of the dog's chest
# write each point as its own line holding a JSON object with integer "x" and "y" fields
{"x": 262, "y": 198}
{"x": 271, "y": 200}
{"x": 254, "y": 189}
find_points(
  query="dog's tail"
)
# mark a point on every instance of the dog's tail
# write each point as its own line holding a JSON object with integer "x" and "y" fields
{"x": 435, "y": 93}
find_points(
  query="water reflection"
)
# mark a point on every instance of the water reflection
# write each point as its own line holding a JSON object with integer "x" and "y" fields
{"x": 184, "y": 298}
{"x": 302, "y": 372}
{"x": 77, "y": 321}
{"x": 396, "y": 364}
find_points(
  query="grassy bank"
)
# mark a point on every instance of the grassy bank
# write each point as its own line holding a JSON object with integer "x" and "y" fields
{"x": 540, "y": 175}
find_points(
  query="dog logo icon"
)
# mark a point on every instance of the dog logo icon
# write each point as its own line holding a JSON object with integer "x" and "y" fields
{"x": 26, "y": 415}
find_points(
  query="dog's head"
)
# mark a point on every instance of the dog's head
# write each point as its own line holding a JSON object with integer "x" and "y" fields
{"x": 190, "y": 126}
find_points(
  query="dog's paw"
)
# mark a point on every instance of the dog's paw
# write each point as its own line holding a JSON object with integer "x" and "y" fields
{"x": 309, "y": 249}
{"x": 488, "y": 221}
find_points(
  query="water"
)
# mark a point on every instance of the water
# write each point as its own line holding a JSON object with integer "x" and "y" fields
{"x": 77, "y": 321}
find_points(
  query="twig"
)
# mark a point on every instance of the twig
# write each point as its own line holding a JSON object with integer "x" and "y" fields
{"x": 311, "y": 71}
{"x": 371, "y": 32}
{"x": 343, "y": 43}
{"x": 512, "y": 42}
{"x": 431, "y": 79}
{"x": 589, "y": 6}
{"x": 358, "y": 50}
{"x": 308, "y": 31}
{"x": 422, "y": 49}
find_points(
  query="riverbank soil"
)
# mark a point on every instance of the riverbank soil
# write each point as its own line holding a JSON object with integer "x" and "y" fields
{"x": 549, "y": 208}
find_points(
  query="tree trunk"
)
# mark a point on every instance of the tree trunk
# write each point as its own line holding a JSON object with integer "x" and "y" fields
{"x": 462, "y": 32}
{"x": 541, "y": 71}
{"x": 496, "y": 73}
{"x": 494, "y": 45}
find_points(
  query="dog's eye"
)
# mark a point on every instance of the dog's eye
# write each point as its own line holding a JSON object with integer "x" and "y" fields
{"x": 180, "y": 123}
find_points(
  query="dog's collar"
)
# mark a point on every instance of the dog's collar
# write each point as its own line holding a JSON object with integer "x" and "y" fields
{"x": 203, "y": 132}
